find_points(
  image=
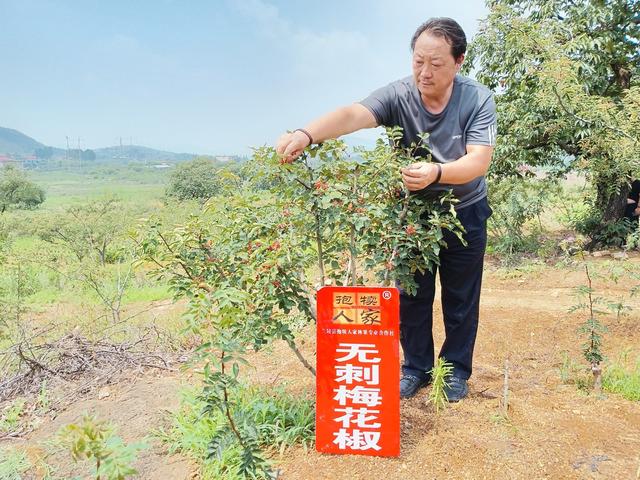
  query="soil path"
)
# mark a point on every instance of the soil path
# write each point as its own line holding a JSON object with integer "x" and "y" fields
{"x": 553, "y": 430}
{"x": 136, "y": 406}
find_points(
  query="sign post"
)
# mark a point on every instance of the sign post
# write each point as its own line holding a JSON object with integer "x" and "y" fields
{"x": 358, "y": 371}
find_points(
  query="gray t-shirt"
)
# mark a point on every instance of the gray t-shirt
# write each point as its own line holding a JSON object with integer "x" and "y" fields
{"x": 468, "y": 119}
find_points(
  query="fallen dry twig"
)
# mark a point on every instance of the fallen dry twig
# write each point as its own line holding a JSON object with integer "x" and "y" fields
{"x": 71, "y": 358}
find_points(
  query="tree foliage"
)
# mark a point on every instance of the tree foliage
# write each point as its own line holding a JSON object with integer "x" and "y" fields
{"x": 44, "y": 153}
{"x": 90, "y": 231}
{"x": 566, "y": 74}
{"x": 17, "y": 191}
{"x": 88, "y": 155}
{"x": 194, "y": 180}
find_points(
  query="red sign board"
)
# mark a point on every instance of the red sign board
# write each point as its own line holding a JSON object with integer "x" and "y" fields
{"x": 358, "y": 371}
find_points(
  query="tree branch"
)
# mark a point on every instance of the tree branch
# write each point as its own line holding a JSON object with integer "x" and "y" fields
{"x": 303, "y": 360}
{"x": 590, "y": 122}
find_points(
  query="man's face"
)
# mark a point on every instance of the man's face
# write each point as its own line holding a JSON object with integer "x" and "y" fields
{"x": 434, "y": 67}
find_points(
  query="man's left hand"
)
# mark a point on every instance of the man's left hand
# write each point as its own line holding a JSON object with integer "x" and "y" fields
{"x": 419, "y": 175}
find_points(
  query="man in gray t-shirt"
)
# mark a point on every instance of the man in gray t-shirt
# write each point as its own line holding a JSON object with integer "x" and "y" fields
{"x": 459, "y": 115}
{"x": 468, "y": 119}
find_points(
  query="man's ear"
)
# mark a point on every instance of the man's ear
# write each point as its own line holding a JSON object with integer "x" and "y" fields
{"x": 459, "y": 62}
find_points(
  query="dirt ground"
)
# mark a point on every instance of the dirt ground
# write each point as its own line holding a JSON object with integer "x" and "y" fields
{"x": 553, "y": 430}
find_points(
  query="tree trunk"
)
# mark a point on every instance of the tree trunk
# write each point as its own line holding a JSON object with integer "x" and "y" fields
{"x": 622, "y": 75}
{"x": 597, "y": 377}
{"x": 608, "y": 209}
{"x": 611, "y": 204}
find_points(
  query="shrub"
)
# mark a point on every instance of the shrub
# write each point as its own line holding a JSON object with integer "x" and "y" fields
{"x": 17, "y": 191}
{"x": 197, "y": 179}
{"x": 517, "y": 204}
{"x": 247, "y": 263}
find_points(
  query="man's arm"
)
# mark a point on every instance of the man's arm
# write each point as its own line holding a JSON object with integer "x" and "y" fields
{"x": 472, "y": 165}
{"x": 340, "y": 122}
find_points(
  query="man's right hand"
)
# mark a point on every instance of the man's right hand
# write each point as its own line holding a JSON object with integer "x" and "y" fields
{"x": 334, "y": 124}
{"x": 291, "y": 145}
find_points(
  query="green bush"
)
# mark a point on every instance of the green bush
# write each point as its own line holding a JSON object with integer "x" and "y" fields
{"x": 197, "y": 179}
{"x": 517, "y": 204}
{"x": 17, "y": 191}
{"x": 587, "y": 220}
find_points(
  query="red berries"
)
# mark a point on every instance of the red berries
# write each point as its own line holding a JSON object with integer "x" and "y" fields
{"x": 410, "y": 229}
{"x": 251, "y": 246}
{"x": 274, "y": 246}
{"x": 321, "y": 186}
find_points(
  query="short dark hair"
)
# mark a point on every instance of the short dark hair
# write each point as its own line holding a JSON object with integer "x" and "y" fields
{"x": 447, "y": 28}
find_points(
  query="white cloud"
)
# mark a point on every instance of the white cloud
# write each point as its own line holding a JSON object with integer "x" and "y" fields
{"x": 406, "y": 15}
{"x": 266, "y": 15}
{"x": 310, "y": 51}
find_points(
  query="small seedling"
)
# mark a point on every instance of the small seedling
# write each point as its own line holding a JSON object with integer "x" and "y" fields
{"x": 94, "y": 440}
{"x": 592, "y": 329}
{"x": 439, "y": 375}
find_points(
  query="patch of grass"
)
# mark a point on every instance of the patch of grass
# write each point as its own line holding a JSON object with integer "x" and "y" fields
{"x": 147, "y": 293}
{"x": 13, "y": 463}
{"x": 43, "y": 401}
{"x": 48, "y": 287}
{"x": 500, "y": 419}
{"x": 16, "y": 465}
{"x": 70, "y": 187}
{"x": 525, "y": 268}
{"x": 573, "y": 373}
{"x": 622, "y": 378}
{"x": 10, "y": 418}
{"x": 281, "y": 421}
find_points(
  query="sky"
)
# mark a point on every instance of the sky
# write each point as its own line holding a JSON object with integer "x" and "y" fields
{"x": 213, "y": 77}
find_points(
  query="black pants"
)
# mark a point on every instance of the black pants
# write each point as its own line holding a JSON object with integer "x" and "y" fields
{"x": 460, "y": 280}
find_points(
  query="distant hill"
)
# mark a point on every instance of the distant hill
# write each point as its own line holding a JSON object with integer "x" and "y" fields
{"x": 139, "y": 153}
{"x": 15, "y": 142}
{"x": 19, "y": 146}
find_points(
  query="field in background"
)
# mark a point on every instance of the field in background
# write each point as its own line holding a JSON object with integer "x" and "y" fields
{"x": 554, "y": 426}
{"x": 135, "y": 184}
